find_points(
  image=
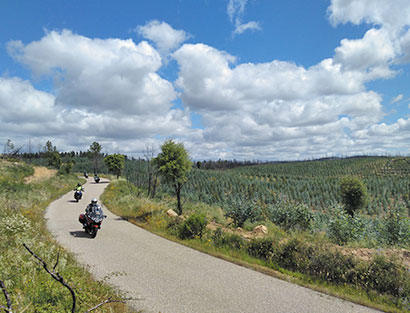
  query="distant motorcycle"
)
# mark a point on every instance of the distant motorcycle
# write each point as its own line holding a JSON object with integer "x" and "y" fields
{"x": 96, "y": 179}
{"x": 92, "y": 220}
{"x": 78, "y": 195}
{"x": 85, "y": 175}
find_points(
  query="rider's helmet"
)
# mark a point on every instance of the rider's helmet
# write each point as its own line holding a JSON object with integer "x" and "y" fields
{"x": 94, "y": 201}
{"x": 78, "y": 185}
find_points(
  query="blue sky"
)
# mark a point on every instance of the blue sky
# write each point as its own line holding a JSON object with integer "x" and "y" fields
{"x": 256, "y": 79}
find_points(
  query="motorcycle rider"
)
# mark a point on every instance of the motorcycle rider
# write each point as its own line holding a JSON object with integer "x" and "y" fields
{"x": 92, "y": 206}
{"x": 79, "y": 188}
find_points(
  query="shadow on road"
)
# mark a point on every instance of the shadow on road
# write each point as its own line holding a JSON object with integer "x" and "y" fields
{"x": 101, "y": 182}
{"x": 74, "y": 201}
{"x": 80, "y": 234}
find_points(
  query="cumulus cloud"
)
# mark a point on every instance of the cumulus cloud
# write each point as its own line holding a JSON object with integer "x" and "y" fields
{"x": 104, "y": 88}
{"x": 98, "y": 74}
{"x": 165, "y": 37}
{"x": 372, "y": 54}
{"x": 393, "y": 15}
{"x": 236, "y": 10}
{"x": 391, "y": 37}
{"x": 259, "y": 105}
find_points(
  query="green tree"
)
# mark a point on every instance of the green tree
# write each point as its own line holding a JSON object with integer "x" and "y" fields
{"x": 95, "y": 153}
{"x": 354, "y": 194}
{"x": 174, "y": 165}
{"x": 52, "y": 155}
{"x": 115, "y": 163}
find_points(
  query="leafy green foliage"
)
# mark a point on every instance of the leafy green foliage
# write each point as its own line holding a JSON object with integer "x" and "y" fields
{"x": 290, "y": 215}
{"x": 231, "y": 241}
{"x": 343, "y": 228}
{"x": 263, "y": 249}
{"x": 396, "y": 226}
{"x": 174, "y": 165}
{"x": 173, "y": 162}
{"x": 353, "y": 193}
{"x": 241, "y": 211}
{"x": 193, "y": 226}
{"x": 115, "y": 163}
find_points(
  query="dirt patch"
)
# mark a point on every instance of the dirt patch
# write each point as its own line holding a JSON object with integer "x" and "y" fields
{"x": 401, "y": 255}
{"x": 40, "y": 173}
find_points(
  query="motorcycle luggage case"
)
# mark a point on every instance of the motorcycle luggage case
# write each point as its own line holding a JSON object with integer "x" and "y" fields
{"x": 81, "y": 218}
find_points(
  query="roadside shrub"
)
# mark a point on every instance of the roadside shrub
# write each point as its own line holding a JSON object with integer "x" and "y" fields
{"x": 331, "y": 265}
{"x": 261, "y": 248}
{"x": 384, "y": 276}
{"x": 232, "y": 241}
{"x": 396, "y": 226}
{"x": 289, "y": 215}
{"x": 240, "y": 211}
{"x": 294, "y": 255}
{"x": 343, "y": 228}
{"x": 192, "y": 227}
{"x": 65, "y": 168}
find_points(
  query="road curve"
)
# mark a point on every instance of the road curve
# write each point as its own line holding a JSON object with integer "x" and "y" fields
{"x": 169, "y": 278}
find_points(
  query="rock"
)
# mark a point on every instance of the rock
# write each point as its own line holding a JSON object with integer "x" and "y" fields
{"x": 172, "y": 213}
{"x": 260, "y": 230}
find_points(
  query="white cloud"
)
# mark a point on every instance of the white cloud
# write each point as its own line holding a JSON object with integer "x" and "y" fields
{"x": 99, "y": 75}
{"x": 236, "y": 10}
{"x": 391, "y": 37}
{"x": 372, "y": 54}
{"x": 396, "y": 99}
{"x": 244, "y": 106}
{"x": 105, "y": 89}
{"x": 394, "y": 15}
{"x": 163, "y": 35}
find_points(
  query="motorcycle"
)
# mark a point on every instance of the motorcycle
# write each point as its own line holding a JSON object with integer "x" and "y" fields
{"x": 85, "y": 175}
{"x": 77, "y": 195}
{"x": 92, "y": 220}
{"x": 97, "y": 179}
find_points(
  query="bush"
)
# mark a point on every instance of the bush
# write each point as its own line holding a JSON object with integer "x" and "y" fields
{"x": 289, "y": 215}
{"x": 232, "y": 241}
{"x": 385, "y": 276}
{"x": 193, "y": 227}
{"x": 331, "y": 265}
{"x": 65, "y": 168}
{"x": 343, "y": 228}
{"x": 294, "y": 255}
{"x": 241, "y": 211}
{"x": 354, "y": 194}
{"x": 396, "y": 226}
{"x": 262, "y": 249}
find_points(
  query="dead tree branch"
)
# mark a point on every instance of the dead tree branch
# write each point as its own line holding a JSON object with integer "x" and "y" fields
{"x": 56, "y": 276}
{"x": 102, "y": 303}
{"x": 9, "y": 308}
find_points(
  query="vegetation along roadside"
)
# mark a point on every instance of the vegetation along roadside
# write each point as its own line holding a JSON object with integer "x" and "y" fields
{"x": 361, "y": 257}
{"x": 23, "y": 199}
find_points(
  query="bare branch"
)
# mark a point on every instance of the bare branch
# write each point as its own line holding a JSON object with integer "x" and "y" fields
{"x": 102, "y": 303}
{"x": 58, "y": 258}
{"x": 5, "y": 309}
{"x": 56, "y": 276}
{"x": 6, "y": 295}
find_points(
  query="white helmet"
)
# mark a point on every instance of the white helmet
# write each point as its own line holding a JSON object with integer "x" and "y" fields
{"x": 94, "y": 201}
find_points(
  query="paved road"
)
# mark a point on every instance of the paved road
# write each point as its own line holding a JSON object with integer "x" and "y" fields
{"x": 172, "y": 278}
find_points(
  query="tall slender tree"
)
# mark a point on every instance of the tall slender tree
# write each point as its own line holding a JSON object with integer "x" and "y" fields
{"x": 95, "y": 153}
{"x": 174, "y": 165}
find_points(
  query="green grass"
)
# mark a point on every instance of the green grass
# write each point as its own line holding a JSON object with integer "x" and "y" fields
{"x": 290, "y": 257}
{"x": 22, "y": 221}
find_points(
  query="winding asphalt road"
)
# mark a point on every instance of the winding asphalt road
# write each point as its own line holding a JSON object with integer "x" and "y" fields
{"x": 167, "y": 277}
